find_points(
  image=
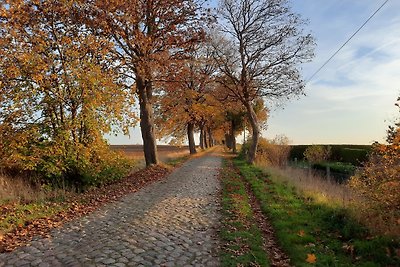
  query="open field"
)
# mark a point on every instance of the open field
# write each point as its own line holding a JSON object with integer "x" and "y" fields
{"x": 165, "y": 152}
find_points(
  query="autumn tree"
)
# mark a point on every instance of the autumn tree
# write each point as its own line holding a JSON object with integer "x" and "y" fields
{"x": 58, "y": 96}
{"x": 147, "y": 35}
{"x": 260, "y": 46}
{"x": 235, "y": 114}
{"x": 235, "y": 118}
{"x": 185, "y": 101}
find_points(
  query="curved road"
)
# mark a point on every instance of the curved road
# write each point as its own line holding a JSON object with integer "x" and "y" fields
{"x": 169, "y": 223}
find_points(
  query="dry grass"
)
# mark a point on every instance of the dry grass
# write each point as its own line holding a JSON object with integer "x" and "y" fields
{"x": 312, "y": 185}
{"x": 165, "y": 153}
{"x": 17, "y": 189}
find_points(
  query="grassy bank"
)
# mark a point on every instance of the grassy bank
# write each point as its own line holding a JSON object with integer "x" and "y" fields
{"x": 317, "y": 234}
{"x": 242, "y": 240}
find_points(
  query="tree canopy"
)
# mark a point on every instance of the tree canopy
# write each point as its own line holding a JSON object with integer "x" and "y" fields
{"x": 71, "y": 71}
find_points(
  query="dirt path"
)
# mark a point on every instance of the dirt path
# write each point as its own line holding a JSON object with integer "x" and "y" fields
{"x": 169, "y": 223}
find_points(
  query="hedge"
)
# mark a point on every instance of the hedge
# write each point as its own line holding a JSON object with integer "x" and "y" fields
{"x": 353, "y": 154}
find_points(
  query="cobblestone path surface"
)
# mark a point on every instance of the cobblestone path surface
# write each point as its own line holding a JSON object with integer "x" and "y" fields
{"x": 169, "y": 223}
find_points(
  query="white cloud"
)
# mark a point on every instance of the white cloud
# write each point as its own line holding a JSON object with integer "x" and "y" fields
{"x": 351, "y": 99}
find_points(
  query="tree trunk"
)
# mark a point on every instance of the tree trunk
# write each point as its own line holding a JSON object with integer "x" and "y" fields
{"x": 233, "y": 137}
{"x": 244, "y": 131}
{"x": 205, "y": 137}
{"x": 144, "y": 89}
{"x": 190, "y": 134}
{"x": 201, "y": 136}
{"x": 210, "y": 138}
{"x": 255, "y": 132}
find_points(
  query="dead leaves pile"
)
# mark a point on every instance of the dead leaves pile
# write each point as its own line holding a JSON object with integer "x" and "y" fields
{"x": 78, "y": 206}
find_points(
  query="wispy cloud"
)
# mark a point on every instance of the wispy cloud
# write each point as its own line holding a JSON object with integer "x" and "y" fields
{"x": 351, "y": 99}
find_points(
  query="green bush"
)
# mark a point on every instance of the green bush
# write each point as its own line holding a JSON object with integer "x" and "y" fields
{"x": 353, "y": 155}
{"x": 64, "y": 163}
{"x": 317, "y": 153}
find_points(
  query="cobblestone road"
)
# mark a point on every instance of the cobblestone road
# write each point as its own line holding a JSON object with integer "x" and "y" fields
{"x": 169, "y": 223}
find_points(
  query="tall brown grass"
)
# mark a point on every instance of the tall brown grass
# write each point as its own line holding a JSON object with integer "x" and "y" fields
{"x": 163, "y": 155}
{"x": 17, "y": 189}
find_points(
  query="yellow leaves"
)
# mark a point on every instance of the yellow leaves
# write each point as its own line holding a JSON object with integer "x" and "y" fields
{"x": 3, "y": 12}
{"x": 311, "y": 258}
{"x": 301, "y": 233}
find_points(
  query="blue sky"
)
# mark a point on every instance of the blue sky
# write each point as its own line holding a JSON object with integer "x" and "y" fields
{"x": 351, "y": 101}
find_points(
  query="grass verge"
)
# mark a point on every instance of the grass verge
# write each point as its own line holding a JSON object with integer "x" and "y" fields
{"x": 242, "y": 240}
{"x": 316, "y": 234}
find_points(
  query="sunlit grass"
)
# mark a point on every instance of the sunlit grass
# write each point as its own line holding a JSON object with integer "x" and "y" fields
{"x": 329, "y": 193}
{"x": 306, "y": 226}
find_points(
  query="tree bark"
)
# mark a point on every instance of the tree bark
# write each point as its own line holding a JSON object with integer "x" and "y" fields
{"x": 190, "y": 134}
{"x": 144, "y": 89}
{"x": 210, "y": 138}
{"x": 255, "y": 132}
{"x": 201, "y": 136}
{"x": 205, "y": 137}
{"x": 232, "y": 136}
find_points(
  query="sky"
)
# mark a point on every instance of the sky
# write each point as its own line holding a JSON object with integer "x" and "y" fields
{"x": 351, "y": 100}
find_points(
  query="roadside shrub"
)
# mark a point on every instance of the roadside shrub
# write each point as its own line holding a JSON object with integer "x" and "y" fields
{"x": 317, "y": 153}
{"x": 273, "y": 152}
{"x": 379, "y": 179}
{"x": 60, "y": 162}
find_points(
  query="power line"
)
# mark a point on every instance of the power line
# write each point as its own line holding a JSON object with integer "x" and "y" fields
{"x": 345, "y": 43}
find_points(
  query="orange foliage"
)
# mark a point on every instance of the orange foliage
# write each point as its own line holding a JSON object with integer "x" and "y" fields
{"x": 58, "y": 93}
{"x": 379, "y": 179}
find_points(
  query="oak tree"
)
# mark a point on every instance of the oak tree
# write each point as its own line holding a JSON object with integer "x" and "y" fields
{"x": 147, "y": 35}
{"x": 259, "y": 51}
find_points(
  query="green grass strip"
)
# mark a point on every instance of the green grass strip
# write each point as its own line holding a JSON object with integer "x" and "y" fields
{"x": 304, "y": 228}
{"x": 242, "y": 240}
